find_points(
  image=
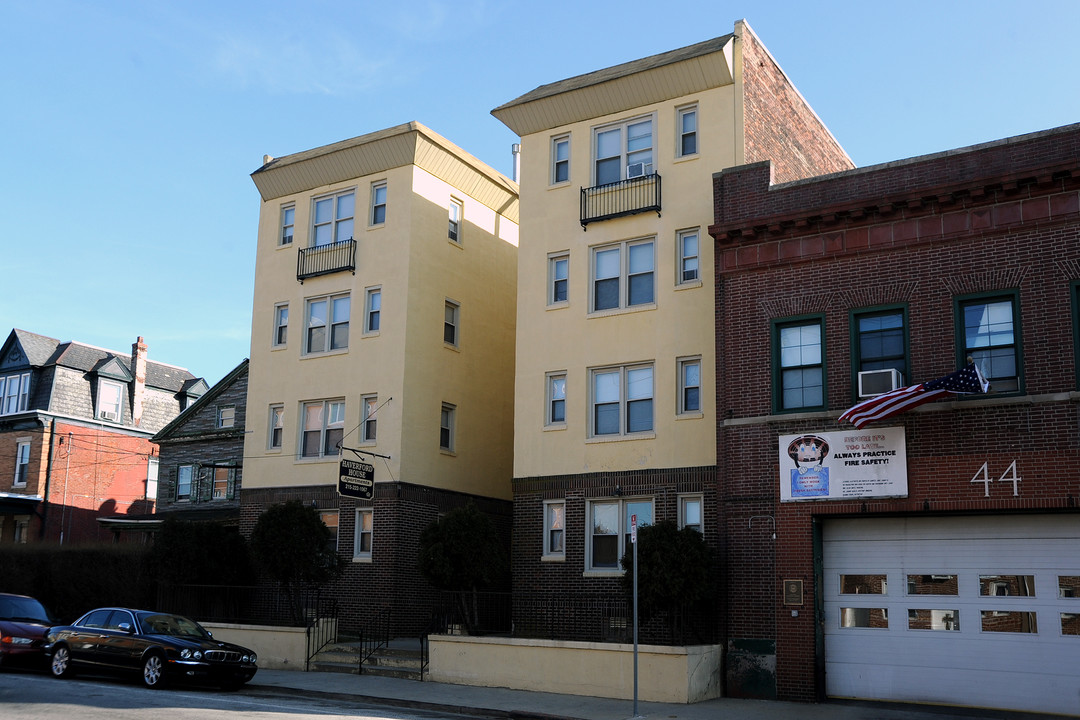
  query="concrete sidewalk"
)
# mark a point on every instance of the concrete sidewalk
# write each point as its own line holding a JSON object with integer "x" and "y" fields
{"x": 505, "y": 703}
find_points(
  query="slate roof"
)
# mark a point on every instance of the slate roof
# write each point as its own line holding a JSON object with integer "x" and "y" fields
{"x": 38, "y": 348}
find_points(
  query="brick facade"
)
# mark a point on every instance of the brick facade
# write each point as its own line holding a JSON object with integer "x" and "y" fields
{"x": 1002, "y": 217}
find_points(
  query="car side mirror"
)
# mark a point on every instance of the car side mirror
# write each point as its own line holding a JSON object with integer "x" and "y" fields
{"x": 124, "y": 627}
{"x": 209, "y": 634}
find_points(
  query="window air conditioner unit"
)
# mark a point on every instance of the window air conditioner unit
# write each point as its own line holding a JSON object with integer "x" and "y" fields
{"x": 635, "y": 170}
{"x": 876, "y": 382}
{"x": 107, "y": 415}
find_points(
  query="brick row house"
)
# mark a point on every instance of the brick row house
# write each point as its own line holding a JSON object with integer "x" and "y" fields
{"x": 933, "y": 555}
{"x": 76, "y": 423}
{"x": 615, "y": 413}
{"x": 383, "y": 334}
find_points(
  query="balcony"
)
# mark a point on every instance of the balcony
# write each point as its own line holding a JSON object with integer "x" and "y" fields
{"x": 618, "y": 199}
{"x": 326, "y": 259}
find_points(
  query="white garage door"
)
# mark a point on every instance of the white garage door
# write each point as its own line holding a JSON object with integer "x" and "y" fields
{"x": 976, "y": 611}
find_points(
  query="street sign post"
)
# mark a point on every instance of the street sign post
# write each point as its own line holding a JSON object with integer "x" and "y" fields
{"x": 633, "y": 541}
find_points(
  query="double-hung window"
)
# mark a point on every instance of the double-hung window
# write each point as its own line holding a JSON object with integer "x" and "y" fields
{"x": 281, "y": 324}
{"x": 110, "y": 397}
{"x": 799, "y": 364}
{"x": 22, "y": 463}
{"x": 609, "y": 530}
{"x": 558, "y": 278}
{"x": 451, "y": 319}
{"x": 364, "y": 529}
{"x": 333, "y": 218}
{"x": 327, "y": 324}
{"x": 446, "y": 427}
{"x": 152, "y": 466}
{"x": 457, "y": 211}
{"x": 288, "y": 220}
{"x": 687, "y": 141}
{"x": 622, "y": 400}
{"x": 991, "y": 337}
{"x": 185, "y": 475}
{"x": 623, "y": 275}
{"x": 372, "y": 310}
{"x": 223, "y": 483}
{"x": 378, "y": 203}
{"x": 689, "y": 256}
{"x": 554, "y": 529}
{"x": 689, "y": 385}
{"x": 880, "y": 341}
{"x": 560, "y": 159}
{"x": 226, "y": 416}
{"x": 14, "y": 393}
{"x": 623, "y": 151}
{"x": 277, "y": 427}
{"x": 369, "y": 404}
{"x": 690, "y": 512}
{"x": 556, "y": 399}
{"x": 324, "y": 426}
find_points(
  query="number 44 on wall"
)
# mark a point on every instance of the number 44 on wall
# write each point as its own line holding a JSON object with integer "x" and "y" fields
{"x": 983, "y": 476}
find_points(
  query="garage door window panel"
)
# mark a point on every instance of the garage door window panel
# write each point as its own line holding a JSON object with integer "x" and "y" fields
{"x": 1010, "y": 621}
{"x": 1007, "y": 585}
{"x": 947, "y": 620}
{"x": 874, "y": 584}
{"x": 859, "y": 617}
{"x": 932, "y": 585}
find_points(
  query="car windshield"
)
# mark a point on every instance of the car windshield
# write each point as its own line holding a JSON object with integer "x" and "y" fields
{"x": 172, "y": 625}
{"x": 22, "y": 608}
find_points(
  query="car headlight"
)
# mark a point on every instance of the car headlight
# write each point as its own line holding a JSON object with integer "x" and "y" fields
{"x": 185, "y": 654}
{"x": 249, "y": 658}
{"x": 197, "y": 655}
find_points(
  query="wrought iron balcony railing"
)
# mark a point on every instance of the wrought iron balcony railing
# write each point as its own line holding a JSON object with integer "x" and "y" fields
{"x": 325, "y": 259}
{"x": 617, "y": 199}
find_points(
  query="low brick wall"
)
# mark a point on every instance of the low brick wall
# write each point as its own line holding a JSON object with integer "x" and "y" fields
{"x": 665, "y": 674}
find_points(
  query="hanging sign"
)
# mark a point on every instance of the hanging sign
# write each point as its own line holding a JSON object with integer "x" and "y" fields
{"x": 356, "y": 479}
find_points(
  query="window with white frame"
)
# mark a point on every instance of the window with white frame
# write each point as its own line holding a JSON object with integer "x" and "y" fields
{"x": 556, "y": 399}
{"x": 332, "y": 218}
{"x": 451, "y": 318}
{"x": 799, "y": 370}
{"x": 558, "y": 278}
{"x": 110, "y": 397}
{"x": 560, "y": 159}
{"x": 364, "y": 530}
{"x": 686, "y": 143}
{"x": 185, "y": 475}
{"x": 152, "y": 465}
{"x": 622, "y": 400}
{"x": 623, "y": 275}
{"x": 689, "y": 385}
{"x": 369, "y": 405}
{"x": 689, "y": 258}
{"x": 281, "y": 324}
{"x": 226, "y": 416}
{"x": 446, "y": 427}
{"x": 22, "y": 463}
{"x": 372, "y": 310}
{"x": 327, "y": 323}
{"x": 608, "y": 533}
{"x": 288, "y": 221}
{"x": 223, "y": 483}
{"x": 378, "y": 203}
{"x": 323, "y": 428}
{"x": 14, "y": 393}
{"x": 690, "y": 512}
{"x": 276, "y": 432}
{"x": 555, "y": 529}
{"x": 457, "y": 211}
{"x": 623, "y": 151}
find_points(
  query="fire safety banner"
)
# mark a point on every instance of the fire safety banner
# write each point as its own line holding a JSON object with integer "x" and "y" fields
{"x": 844, "y": 465}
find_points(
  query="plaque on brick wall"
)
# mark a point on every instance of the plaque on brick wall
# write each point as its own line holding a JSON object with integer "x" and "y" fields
{"x": 793, "y": 592}
{"x": 356, "y": 479}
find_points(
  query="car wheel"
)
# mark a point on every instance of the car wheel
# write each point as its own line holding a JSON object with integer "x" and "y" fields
{"x": 153, "y": 671}
{"x": 61, "y": 663}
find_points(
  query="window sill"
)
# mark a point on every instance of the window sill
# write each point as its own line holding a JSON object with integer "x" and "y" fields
{"x": 448, "y": 453}
{"x": 552, "y": 558}
{"x": 453, "y": 348}
{"x": 320, "y": 459}
{"x": 554, "y": 428}
{"x": 276, "y": 348}
{"x": 597, "y": 439}
{"x": 603, "y": 573}
{"x": 690, "y": 416}
{"x": 686, "y": 158}
{"x": 455, "y": 243}
{"x": 558, "y": 305}
{"x": 378, "y": 226}
{"x": 559, "y": 185}
{"x": 688, "y": 285}
{"x": 622, "y": 311}
{"x": 373, "y": 334}
{"x": 284, "y": 246}
{"x": 365, "y": 559}
{"x": 273, "y": 451}
{"x": 327, "y": 353}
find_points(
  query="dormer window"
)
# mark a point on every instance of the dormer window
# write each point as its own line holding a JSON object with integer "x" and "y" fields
{"x": 109, "y": 405}
{"x": 14, "y": 393}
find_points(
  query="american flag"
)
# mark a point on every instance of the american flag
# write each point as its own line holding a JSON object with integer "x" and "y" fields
{"x": 880, "y": 407}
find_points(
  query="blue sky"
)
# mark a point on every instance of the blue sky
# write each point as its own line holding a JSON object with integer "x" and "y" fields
{"x": 129, "y": 129}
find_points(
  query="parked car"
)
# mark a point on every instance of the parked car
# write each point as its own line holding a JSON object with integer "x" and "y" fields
{"x": 23, "y": 622}
{"x": 158, "y": 646}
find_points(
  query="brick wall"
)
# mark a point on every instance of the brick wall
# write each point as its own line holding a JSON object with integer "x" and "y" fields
{"x": 983, "y": 220}
{"x": 778, "y": 123}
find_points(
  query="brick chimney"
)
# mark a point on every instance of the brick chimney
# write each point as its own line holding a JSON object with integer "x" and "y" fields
{"x": 138, "y": 369}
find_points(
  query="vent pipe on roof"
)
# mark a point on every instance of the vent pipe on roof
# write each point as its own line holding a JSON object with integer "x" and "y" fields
{"x": 267, "y": 159}
{"x": 516, "y": 150}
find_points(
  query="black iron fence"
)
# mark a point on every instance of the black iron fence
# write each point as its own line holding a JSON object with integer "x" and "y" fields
{"x": 325, "y": 259}
{"x": 625, "y": 197}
